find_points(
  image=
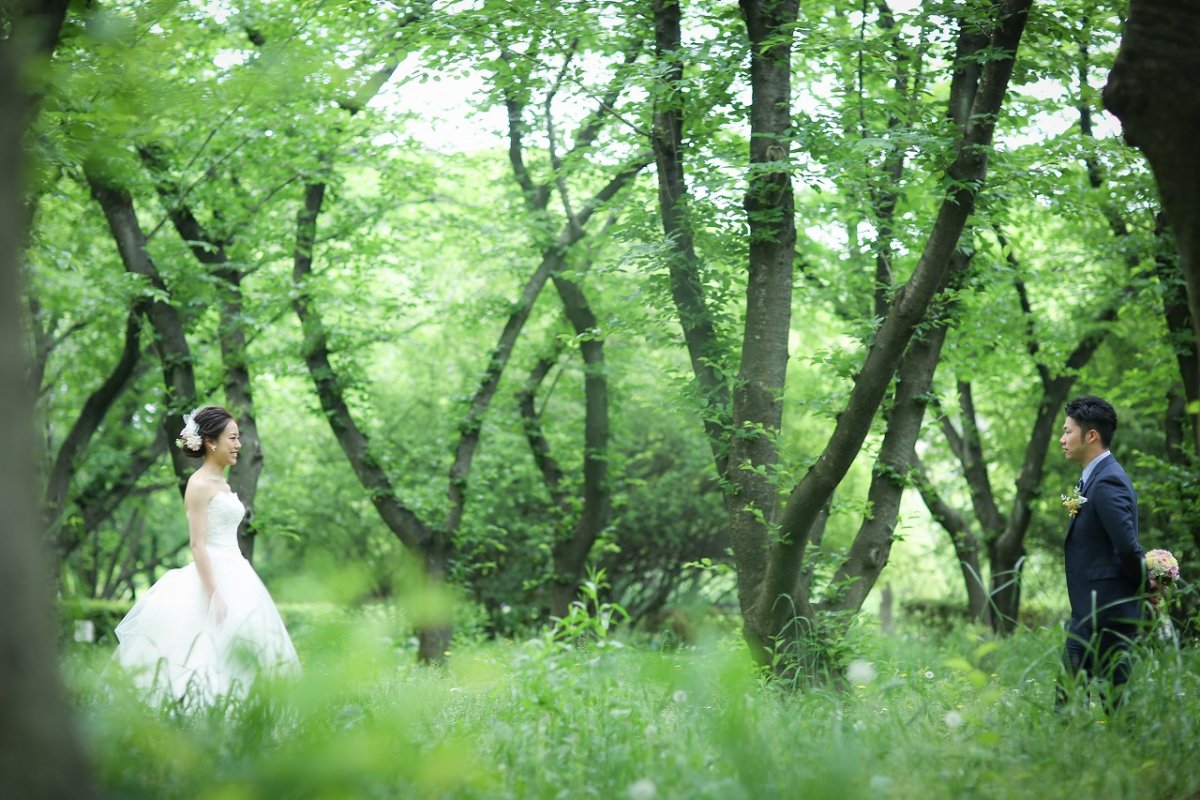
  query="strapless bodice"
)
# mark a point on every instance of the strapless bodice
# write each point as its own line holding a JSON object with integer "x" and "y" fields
{"x": 225, "y": 513}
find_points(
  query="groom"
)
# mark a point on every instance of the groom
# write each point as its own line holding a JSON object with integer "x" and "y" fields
{"x": 1105, "y": 571}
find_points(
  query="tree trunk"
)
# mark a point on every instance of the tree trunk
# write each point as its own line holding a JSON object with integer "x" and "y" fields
{"x": 40, "y": 753}
{"x": 1007, "y": 552}
{"x": 884, "y": 199}
{"x": 857, "y": 574}
{"x": 210, "y": 250}
{"x": 552, "y": 473}
{"x": 86, "y": 424}
{"x": 969, "y": 449}
{"x": 1005, "y": 535}
{"x": 1183, "y": 342}
{"x": 433, "y": 545}
{"x": 1153, "y": 90}
{"x": 695, "y": 317}
{"x": 179, "y": 380}
{"x": 429, "y": 544}
{"x": 772, "y": 579}
{"x": 570, "y": 555}
{"x": 1175, "y": 293}
{"x": 896, "y": 461}
{"x": 786, "y": 576}
{"x": 758, "y": 393}
{"x": 966, "y": 545}
{"x": 552, "y": 263}
{"x": 243, "y": 476}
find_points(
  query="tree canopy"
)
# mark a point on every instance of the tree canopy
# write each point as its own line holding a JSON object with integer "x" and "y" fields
{"x": 723, "y": 300}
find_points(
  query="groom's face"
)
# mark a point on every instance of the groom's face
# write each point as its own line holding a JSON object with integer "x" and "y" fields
{"x": 1074, "y": 441}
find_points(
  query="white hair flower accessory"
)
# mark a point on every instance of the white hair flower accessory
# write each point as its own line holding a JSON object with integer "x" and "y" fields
{"x": 189, "y": 437}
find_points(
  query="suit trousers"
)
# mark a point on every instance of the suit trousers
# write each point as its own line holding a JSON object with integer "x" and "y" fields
{"x": 1103, "y": 655}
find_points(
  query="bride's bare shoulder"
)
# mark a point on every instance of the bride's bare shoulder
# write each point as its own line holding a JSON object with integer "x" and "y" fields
{"x": 200, "y": 489}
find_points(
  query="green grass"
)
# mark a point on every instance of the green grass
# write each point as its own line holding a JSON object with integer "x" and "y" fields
{"x": 956, "y": 715}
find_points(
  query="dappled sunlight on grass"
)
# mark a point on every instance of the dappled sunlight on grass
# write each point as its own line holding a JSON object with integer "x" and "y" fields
{"x": 578, "y": 716}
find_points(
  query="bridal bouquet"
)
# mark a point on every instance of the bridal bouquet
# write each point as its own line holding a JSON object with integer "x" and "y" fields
{"x": 1162, "y": 566}
{"x": 1164, "y": 569}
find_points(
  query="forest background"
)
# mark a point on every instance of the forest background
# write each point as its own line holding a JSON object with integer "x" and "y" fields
{"x": 696, "y": 314}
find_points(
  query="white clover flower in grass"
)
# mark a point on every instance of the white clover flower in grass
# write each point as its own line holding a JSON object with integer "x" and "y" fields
{"x": 860, "y": 673}
{"x": 643, "y": 789}
{"x": 928, "y": 674}
{"x": 953, "y": 720}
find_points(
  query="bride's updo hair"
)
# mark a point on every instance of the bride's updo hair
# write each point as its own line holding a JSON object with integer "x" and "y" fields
{"x": 210, "y": 422}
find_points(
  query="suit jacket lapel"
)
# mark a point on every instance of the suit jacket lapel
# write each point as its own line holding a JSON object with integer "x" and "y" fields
{"x": 1103, "y": 465}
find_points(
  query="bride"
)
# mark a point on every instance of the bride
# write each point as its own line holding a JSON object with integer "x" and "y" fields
{"x": 206, "y": 630}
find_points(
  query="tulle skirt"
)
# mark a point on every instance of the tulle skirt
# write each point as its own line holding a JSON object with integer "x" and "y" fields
{"x": 173, "y": 648}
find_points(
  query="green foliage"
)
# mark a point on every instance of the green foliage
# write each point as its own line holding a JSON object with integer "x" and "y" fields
{"x": 422, "y": 251}
{"x": 920, "y": 716}
{"x": 589, "y": 621}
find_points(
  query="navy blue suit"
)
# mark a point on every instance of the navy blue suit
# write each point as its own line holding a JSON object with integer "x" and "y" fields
{"x": 1105, "y": 575}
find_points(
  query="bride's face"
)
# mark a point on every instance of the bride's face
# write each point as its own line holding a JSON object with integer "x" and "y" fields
{"x": 224, "y": 450}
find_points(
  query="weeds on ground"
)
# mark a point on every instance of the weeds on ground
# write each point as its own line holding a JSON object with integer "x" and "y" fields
{"x": 576, "y": 713}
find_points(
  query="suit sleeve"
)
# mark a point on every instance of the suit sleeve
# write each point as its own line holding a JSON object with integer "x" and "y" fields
{"x": 1117, "y": 511}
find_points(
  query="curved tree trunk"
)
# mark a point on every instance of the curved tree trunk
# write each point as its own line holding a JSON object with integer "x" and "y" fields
{"x": 433, "y": 635}
{"x": 95, "y": 408}
{"x": 569, "y": 554}
{"x": 1005, "y": 535}
{"x": 786, "y": 576}
{"x": 1187, "y": 355}
{"x": 170, "y": 342}
{"x": 896, "y": 463}
{"x": 1006, "y": 552}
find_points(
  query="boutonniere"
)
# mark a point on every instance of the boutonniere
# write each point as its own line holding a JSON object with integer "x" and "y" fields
{"x": 1073, "y": 502}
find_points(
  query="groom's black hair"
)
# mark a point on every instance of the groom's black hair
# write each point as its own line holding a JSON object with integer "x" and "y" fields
{"x": 1092, "y": 413}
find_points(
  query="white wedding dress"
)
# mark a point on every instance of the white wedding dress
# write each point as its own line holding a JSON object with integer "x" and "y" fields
{"x": 170, "y": 642}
